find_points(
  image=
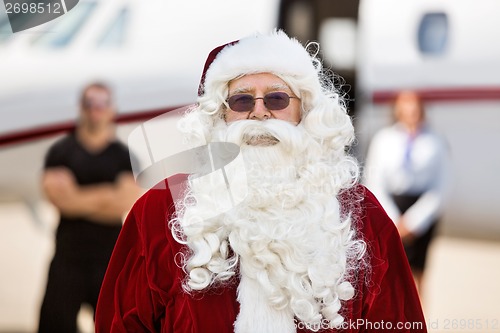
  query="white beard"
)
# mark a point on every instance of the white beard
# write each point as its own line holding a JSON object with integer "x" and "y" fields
{"x": 256, "y": 314}
{"x": 288, "y": 235}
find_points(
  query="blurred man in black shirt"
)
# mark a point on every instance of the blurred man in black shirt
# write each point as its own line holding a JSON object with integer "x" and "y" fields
{"x": 88, "y": 177}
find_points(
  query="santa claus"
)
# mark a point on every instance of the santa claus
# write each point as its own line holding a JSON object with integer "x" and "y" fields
{"x": 301, "y": 246}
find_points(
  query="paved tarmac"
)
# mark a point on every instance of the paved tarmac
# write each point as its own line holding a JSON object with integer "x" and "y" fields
{"x": 461, "y": 292}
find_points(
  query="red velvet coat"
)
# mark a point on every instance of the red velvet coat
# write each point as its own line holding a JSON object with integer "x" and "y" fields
{"x": 142, "y": 288}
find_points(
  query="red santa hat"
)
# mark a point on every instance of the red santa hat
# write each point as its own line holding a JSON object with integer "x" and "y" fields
{"x": 274, "y": 53}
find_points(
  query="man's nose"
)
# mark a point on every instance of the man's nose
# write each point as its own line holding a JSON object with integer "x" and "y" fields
{"x": 260, "y": 111}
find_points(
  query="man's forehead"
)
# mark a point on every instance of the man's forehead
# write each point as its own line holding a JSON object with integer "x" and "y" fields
{"x": 249, "y": 88}
{"x": 96, "y": 92}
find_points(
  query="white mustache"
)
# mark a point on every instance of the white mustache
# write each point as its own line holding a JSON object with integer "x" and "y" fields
{"x": 271, "y": 130}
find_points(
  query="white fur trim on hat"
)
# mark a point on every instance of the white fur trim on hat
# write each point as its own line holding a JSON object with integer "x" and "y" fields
{"x": 274, "y": 53}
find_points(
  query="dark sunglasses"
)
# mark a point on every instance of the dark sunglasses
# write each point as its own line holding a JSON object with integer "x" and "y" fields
{"x": 92, "y": 104}
{"x": 246, "y": 102}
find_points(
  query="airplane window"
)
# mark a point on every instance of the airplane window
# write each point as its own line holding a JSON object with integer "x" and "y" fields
{"x": 433, "y": 34}
{"x": 63, "y": 31}
{"x": 114, "y": 35}
{"x": 339, "y": 31}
